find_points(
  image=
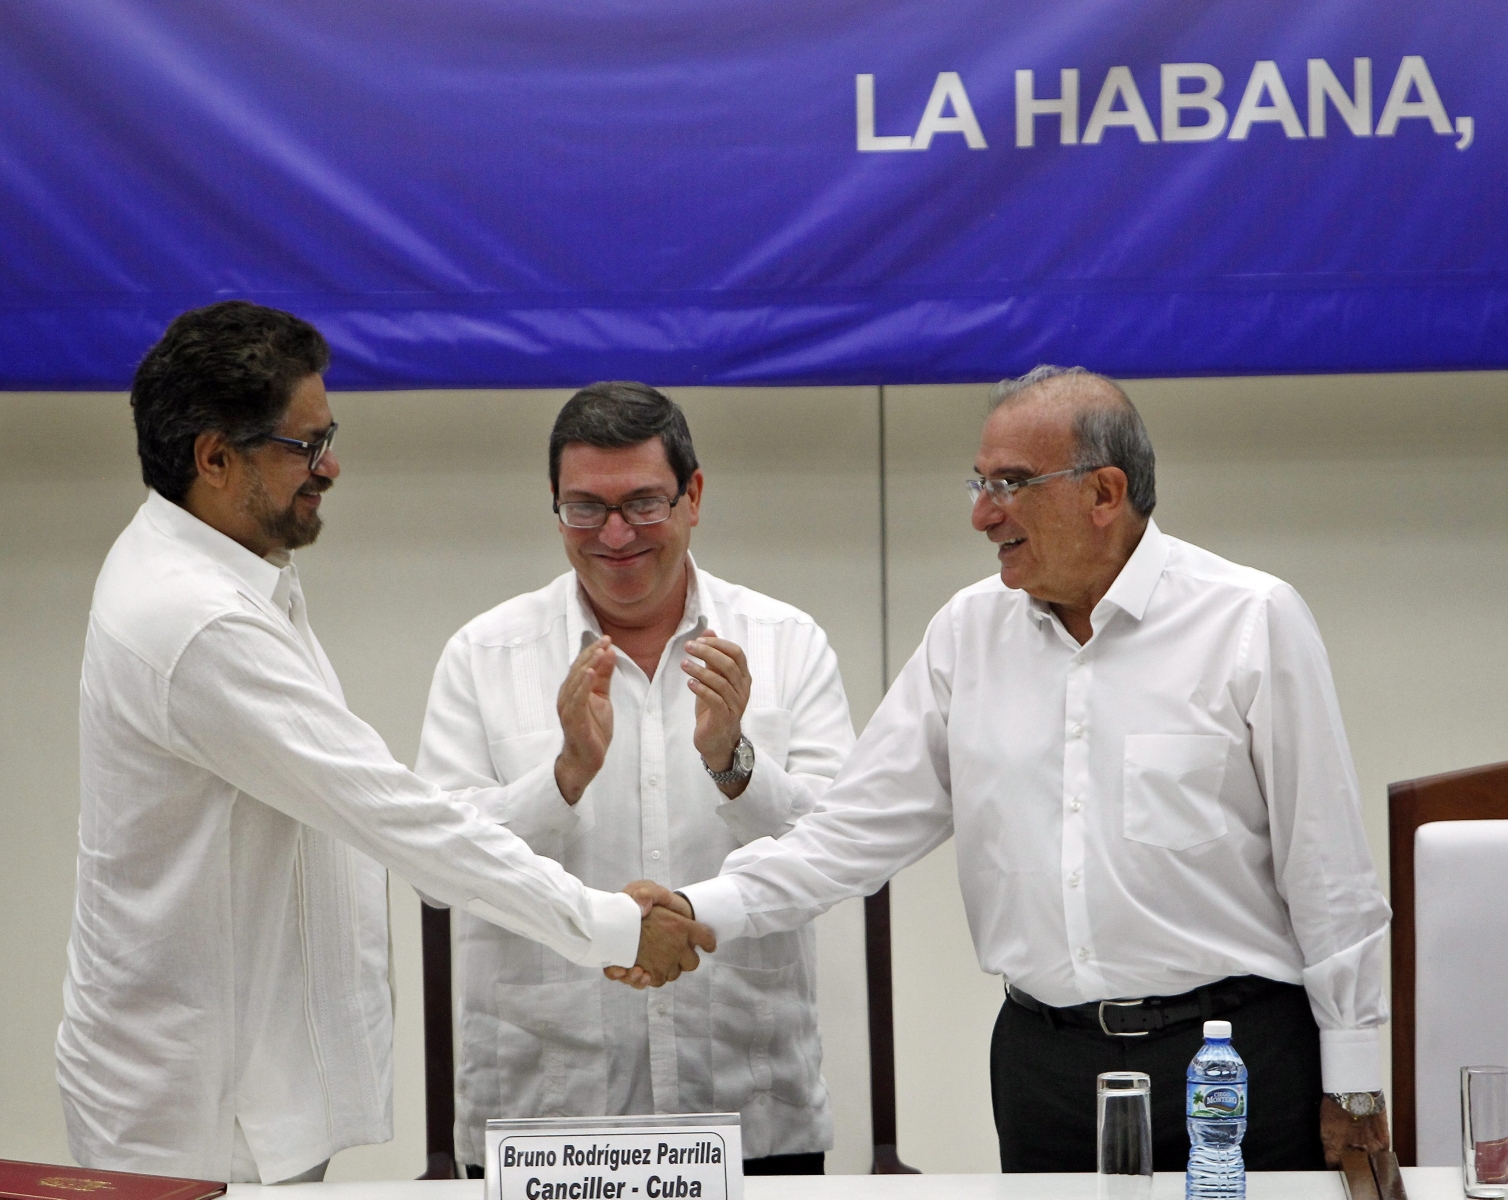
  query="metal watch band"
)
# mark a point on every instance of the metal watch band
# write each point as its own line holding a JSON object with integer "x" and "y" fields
{"x": 743, "y": 752}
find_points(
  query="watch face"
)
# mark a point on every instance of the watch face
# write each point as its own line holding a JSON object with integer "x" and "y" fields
{"x": 1360, "y": 1104}
{"x": 743, "y": 757}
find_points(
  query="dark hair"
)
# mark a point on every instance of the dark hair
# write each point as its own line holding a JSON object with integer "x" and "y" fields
{"x": 1105, "y": 434}
{"x": 622, "y": 413}
{"x": 229, "y": 368}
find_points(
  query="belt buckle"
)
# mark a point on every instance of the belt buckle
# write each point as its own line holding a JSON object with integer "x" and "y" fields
{"x": 1120, "y": 1004}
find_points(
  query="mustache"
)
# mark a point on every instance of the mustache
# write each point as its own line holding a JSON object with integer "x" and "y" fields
{"x": 316, "y": 485}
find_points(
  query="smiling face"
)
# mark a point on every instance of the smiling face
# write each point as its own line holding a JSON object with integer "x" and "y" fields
{"x": 633, "y": 574}
{"x": 278, "y": 496}
{"x": 1050, "y": 545}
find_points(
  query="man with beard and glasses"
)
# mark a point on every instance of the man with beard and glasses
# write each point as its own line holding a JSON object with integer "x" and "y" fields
{"x": 227, "y": 1007}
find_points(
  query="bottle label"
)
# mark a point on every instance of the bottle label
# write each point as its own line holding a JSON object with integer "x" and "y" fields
{"x": 1217, "y": 1102}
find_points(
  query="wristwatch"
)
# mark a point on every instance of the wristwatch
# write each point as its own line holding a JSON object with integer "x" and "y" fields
{"x": 1359, "y": 1104}
{"x": 742, "y": 768}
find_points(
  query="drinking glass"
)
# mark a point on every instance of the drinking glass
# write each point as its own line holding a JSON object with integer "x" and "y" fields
{"x": 1124, "y": 1148}
{"x": 1484, "y": 1131}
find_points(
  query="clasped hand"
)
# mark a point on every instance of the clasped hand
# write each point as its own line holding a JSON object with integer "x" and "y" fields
{"x": 669, "y": 938}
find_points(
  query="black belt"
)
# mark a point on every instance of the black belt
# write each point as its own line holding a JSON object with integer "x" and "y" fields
{"x": 1137, "y": 1018}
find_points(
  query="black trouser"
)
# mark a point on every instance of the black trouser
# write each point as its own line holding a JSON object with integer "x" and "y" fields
{"x": 771, "y": 1164}
{"x": 1042, "y": 1081}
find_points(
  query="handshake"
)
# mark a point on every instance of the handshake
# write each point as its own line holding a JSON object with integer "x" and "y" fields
{"x": 668, "y": 938}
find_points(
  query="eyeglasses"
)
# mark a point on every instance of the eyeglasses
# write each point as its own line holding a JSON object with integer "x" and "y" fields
{"x": 1001, "y": 490}
{"x": 316, "y": 450}
{"x": 592, "y": 514}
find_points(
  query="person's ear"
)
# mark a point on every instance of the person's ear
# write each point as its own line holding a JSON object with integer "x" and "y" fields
{"x": 212, "y": 458}
{"x": 693, "y": 500}
{"x": 1109, "y": 484}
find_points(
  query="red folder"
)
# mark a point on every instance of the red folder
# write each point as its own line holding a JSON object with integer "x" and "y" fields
{"x": 47, "y": 1181}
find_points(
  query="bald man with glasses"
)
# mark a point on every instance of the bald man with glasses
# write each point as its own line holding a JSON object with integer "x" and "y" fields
{"x": 645, "y": 718}
{"x": 1139, "y": 749}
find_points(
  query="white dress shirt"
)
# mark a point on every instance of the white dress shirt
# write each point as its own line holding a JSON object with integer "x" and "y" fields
{"x": 1171, "y": 803}
{"x": 228, "y": 963}
{"x": 541, "y": 1036}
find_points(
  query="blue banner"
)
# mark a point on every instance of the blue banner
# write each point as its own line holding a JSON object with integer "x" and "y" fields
{"x": 545, "y": 192}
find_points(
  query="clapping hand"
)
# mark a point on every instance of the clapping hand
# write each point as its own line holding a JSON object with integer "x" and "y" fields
{"x": 586, "y": 718}
{"x": 668, "y": 938}
{"x": 720, "y": 678}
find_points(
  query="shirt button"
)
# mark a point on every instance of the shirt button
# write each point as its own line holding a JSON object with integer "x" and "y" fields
{"x": 1083, "y": 953}
{"x": 654, "y": 781}
{"x": 1073, "y": 880}
{"x": 1078, "y": 731}
{"x": 662, "y": 1008}
{"x": 1075, "y": 804}
{"x": 655, "y": 854}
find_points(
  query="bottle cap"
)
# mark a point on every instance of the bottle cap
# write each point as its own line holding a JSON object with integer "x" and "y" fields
{"x": 1217, "y": 1029}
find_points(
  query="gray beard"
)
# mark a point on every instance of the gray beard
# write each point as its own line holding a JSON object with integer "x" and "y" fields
{"x": 284, "y": 526}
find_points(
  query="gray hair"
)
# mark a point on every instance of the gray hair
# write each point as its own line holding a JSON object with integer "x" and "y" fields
{"x": 1105, "y": 434}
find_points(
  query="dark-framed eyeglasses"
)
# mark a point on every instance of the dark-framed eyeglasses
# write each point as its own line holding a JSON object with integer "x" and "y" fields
{"x": 1000, "y": 491}
{"x": 316, "y": 450}
{"x": 592, "y": 514}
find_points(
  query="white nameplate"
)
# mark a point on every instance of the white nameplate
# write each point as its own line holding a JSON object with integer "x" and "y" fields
{"x": 690, "y": 1156}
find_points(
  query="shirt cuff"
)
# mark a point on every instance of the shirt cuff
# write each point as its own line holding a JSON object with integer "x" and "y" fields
{"x": 615, "y": 928}
{"x": 717, "y": 904}
{"x": 763, "y": 808}
{"x": 537, "y": 811}
{"x": 1350, "y": 1060}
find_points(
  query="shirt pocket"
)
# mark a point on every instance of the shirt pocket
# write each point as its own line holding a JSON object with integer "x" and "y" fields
{"x": 1171, "y": 795}
{"x": 515, "y": 757}
{"x": 550, "y": 1048}
{"x": 764, "y": 1036}
{"x": 769, "y": 729}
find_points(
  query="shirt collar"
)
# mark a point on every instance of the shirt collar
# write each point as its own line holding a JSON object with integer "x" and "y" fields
{"x": 1132, "y": 590}
{"x": 180, "y": 525}
{"x": 580, "y": 619}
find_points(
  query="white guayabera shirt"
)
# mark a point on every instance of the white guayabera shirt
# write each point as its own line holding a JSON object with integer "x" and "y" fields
{"x": 542, "y": 1036}
{"x": 228, "y": 963}
{"x": 1169, "y": 804}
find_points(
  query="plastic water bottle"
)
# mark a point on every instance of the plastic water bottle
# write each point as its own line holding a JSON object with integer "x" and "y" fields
{"x": 1217, "y": 1118}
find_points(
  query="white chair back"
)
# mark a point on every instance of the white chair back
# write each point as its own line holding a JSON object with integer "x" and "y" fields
{"x": 1461, "y": 958}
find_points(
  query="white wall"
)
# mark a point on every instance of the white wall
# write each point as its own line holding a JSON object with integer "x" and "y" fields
{"x": 1379, "y": 497}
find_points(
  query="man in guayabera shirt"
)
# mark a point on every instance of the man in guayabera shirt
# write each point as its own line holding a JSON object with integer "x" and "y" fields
{"x": 227, "y": 1008}
{"x": 645, "y": 718}
{"x": 1140, "y": 750}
